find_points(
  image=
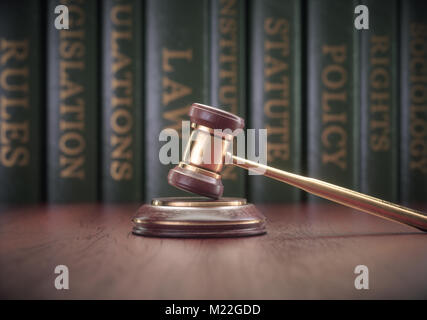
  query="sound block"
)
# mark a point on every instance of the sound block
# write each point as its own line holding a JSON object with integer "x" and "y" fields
{"x": 197, "y": 217}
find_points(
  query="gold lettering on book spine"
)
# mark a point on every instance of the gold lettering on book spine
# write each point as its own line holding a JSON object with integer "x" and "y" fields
{"x": 418, "y": 98}
{"x": 14, "y": 103}
{"x": 72, "y": 123}
{"x": 277, "y": 84}
{"x": 122, "y": 88}
{"x": 379, "y": 94}
{"x": 173, "y": 91}
{"x": 228, "y": 91}
{"x": 334, "y": 98}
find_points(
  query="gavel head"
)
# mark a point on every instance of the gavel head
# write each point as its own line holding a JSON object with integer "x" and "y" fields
{"x": 212, "y": 135}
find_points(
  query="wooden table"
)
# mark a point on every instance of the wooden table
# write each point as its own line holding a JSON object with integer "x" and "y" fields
{"x": 310, "y": 251}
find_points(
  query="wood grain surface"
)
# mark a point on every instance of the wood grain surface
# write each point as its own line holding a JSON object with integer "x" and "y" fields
{"x": 310, "y": 251}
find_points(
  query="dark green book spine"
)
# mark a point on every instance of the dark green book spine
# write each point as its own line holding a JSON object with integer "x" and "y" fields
{"x": 413, "y": 150}
{"x": 379, "y": 101}
{"x": 333, "y": 94}
{"x": 72, "y": 103}
{"x": 20, "y": 104}
{"x": 275, "y": 92}
{"x": 228, "y": 76}
{"x": 121, "y": 100}
{"x": 176, "y": 66}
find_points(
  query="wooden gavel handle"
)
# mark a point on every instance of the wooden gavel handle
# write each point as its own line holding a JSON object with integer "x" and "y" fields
{"x": 347, "y": 197}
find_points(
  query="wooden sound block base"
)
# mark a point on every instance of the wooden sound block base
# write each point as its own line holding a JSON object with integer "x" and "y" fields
{"x": 190, "y": 217}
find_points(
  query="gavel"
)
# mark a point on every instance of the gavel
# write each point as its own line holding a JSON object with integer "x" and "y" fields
{"x": 195, "y": 175}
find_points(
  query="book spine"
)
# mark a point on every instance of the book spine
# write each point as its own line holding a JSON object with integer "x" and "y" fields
{"x": 228, "y": 77}
{"x": 333, "y": 93}
{"x": 379, "y": 101}
{"x": 413, "y": 147}
{"x": 176, "y": 64}
{"x": 122, "y": 123}
{"x": 275, "y": 92}
{"x": 72, "y": 104}
{"x": 20, "y": 102}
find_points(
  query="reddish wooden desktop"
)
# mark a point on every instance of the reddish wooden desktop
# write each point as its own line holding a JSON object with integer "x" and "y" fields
{"x": 310, "y": 251}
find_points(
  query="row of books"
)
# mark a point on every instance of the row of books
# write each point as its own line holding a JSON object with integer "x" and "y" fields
{"x": 81, "y": 109}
